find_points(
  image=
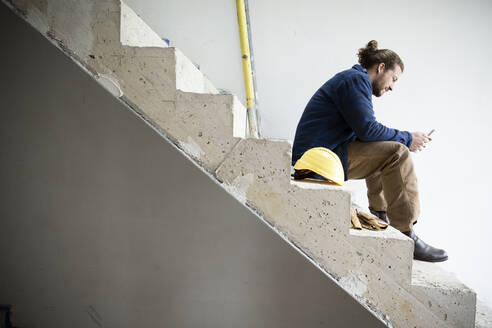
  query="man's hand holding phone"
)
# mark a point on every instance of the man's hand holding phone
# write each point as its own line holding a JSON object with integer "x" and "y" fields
{"x": 420, "y": 141}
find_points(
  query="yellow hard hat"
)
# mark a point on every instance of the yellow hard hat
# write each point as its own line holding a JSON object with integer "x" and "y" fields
{"x": 324, "y": 162}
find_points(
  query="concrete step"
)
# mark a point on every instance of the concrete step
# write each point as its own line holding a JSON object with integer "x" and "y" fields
{"x": 260, "y": 170}
{"x": 153, "y": 72}
{"x": 145, "y": 75}
{"x": 257, "y": 173}
{"x": 136, "y": 33}
{"x": 389, "y": 249}
{"x": 204, "y": 126}
{"x": 443, "y": 294}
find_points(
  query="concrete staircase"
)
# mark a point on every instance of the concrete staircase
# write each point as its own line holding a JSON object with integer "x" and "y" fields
{"x": 109, "y": 41}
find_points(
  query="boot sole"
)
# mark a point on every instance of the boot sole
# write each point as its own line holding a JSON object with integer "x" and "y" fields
{"x": 432, "y": 260}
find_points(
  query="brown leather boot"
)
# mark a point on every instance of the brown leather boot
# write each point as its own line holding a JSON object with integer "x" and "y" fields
{"x": 424, "y": 252}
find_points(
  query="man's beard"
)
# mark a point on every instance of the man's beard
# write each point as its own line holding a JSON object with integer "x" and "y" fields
{"x": 377, "y": 89}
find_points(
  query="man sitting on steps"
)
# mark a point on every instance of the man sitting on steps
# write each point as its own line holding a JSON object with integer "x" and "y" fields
{"x": 340, "y": 117}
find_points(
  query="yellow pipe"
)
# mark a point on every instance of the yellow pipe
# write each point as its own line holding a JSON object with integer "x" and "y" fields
{"x": 248, "y": 75}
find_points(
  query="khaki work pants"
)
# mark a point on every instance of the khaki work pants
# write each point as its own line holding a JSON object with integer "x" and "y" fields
{"x": 390, "y": 178}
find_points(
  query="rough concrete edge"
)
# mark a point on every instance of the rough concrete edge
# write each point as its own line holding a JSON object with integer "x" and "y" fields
{"x": 58, "y": 44}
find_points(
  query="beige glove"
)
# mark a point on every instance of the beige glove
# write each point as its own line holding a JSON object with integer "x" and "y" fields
{"x": 364, "y": 220}
{"x": 354, "y": 222}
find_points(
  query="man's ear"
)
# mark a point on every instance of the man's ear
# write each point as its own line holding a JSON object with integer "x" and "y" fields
{"x": 381, "y": 67}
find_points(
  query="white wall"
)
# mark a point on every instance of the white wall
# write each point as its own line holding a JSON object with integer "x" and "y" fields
{"x": 446, "y": 48}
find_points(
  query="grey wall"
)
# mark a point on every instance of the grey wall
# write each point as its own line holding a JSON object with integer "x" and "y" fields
{"x": 104, "y": 224}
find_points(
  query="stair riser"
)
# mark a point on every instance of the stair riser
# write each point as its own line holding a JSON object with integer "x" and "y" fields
{"x": 145, "y": 75}
{"x": 262, "y": 169}
{"x": 453, "y": 307}
{"x": 443, "y": 294}
{"x": 393, "y": 256}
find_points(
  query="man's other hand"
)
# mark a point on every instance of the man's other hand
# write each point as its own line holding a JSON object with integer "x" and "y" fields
{"x": 419, "y": 141}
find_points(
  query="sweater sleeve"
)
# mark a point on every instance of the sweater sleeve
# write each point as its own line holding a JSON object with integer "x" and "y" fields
{"x": 355, "y": 105}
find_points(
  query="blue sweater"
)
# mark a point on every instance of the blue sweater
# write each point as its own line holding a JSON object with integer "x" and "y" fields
{"x": 339, "y": 113}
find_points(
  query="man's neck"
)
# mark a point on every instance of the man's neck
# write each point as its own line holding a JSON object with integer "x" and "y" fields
{"x": 372, "y": 73}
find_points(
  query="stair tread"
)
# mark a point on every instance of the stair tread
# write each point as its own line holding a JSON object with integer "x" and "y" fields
{"x": 314, "y": 184}
{"x": 427, "y": 274}
{"x": 387, "y": 233}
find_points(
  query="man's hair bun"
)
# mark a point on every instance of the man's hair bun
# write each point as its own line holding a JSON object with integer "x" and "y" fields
{"x": 372, "y": 45}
